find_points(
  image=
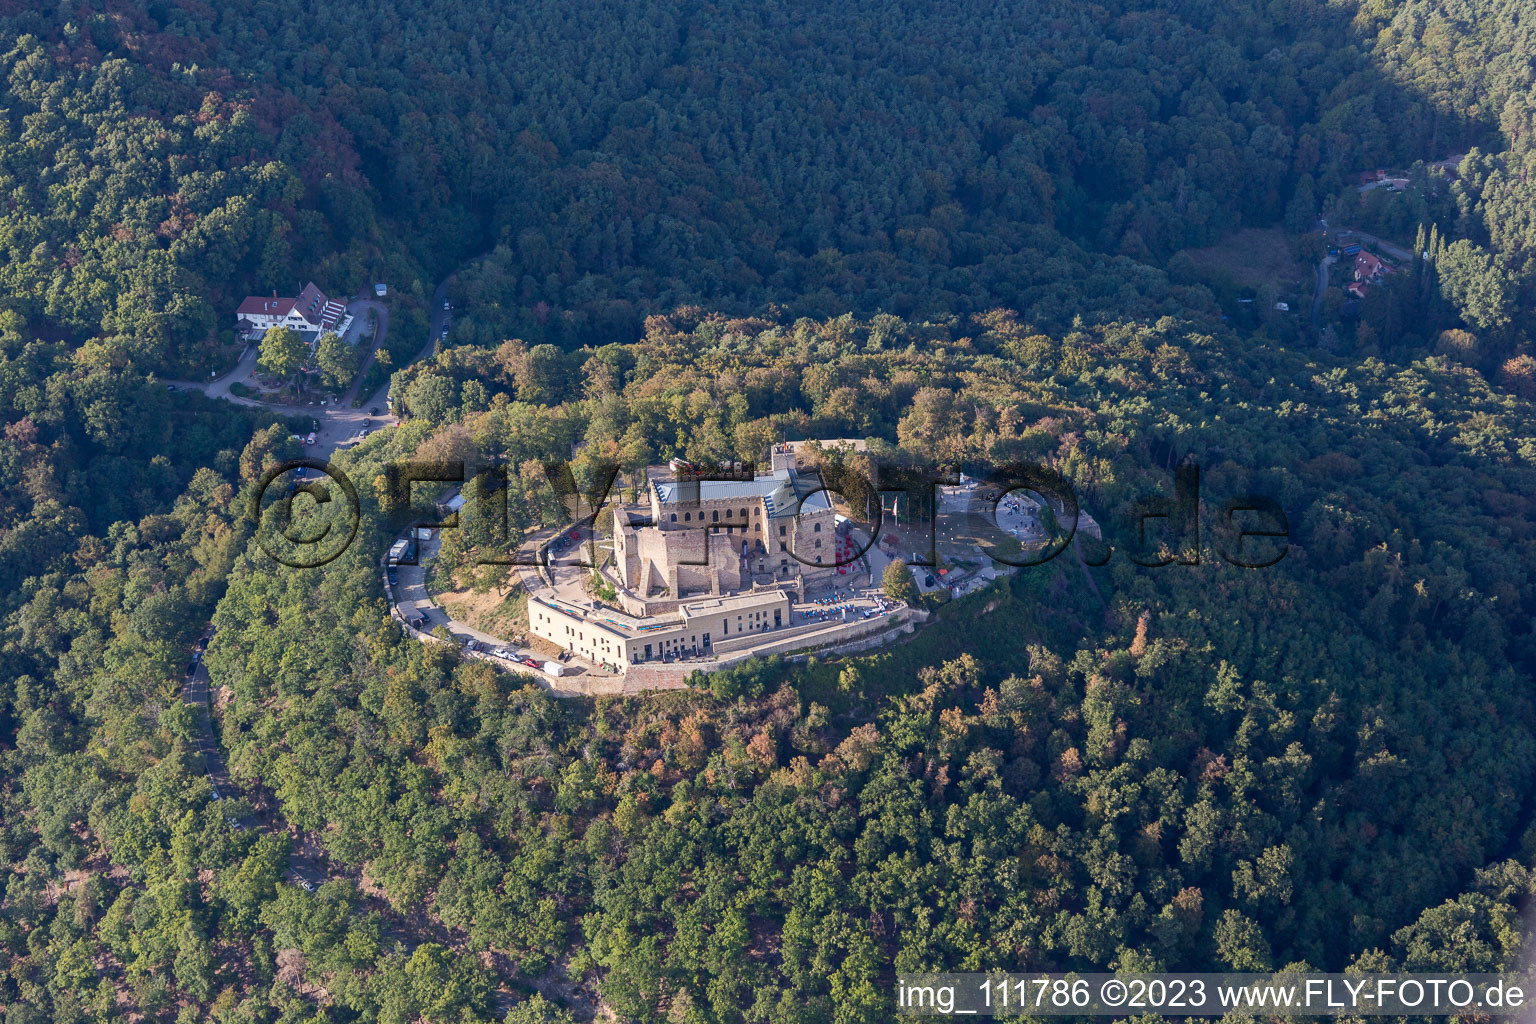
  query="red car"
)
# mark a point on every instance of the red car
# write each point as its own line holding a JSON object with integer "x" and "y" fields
{"x": 531, "y": 662}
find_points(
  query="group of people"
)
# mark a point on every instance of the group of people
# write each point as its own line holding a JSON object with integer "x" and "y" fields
{"x": 837, "y": 606}
{"x": 1028, "y": 510}
{"x": 826, "y": 608}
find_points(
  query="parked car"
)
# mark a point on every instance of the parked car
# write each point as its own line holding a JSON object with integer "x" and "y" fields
{"x": 374, "y": 411}
{"x": 306, "y": 885}
{"x": 531, "y": 662}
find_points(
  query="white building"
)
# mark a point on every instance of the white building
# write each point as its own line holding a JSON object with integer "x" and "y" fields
{"x": 311, "y": 314}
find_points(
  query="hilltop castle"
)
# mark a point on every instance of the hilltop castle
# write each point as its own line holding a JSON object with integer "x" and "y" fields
{"x": 723, "y": 535}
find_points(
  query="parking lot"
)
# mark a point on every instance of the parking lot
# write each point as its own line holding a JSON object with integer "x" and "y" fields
{"x": 412, "y": 598}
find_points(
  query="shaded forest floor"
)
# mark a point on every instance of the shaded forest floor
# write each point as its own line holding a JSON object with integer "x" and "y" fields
{"x": 1250, "y": 258}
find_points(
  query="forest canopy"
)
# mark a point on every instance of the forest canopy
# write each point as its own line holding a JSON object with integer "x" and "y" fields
{"x": 964, "y": 232}
{"x": 819, "y": 160}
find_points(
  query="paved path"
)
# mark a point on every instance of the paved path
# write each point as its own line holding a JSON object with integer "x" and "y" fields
{"x": 335, "y": 424}
{"x": 411, "y": 597}
{"x": 1397, "y": 252}
{"x": 1346, "y": 237}
{"x": 306, "y": 861}
{"x": 240, "y": 374}
{"x": 1321, "y": 290}
{"x": 308, "y": 864}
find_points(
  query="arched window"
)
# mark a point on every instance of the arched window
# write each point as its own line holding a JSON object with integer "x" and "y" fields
{"x": 687, "y": 517}
{"x": 714, "y": 517}
{"x": 728, "y": 513}
{"x": 674, "y": 517}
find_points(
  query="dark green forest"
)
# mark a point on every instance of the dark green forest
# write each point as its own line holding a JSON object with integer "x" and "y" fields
{"x": 971, "y": 233}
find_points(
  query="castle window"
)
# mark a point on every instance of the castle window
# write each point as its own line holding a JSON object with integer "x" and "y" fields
{"x": 818, "y": 528}
{"x": 674, "y": 517}
{"x": 715, "y": 517}
{"x": 781, "y": 529}
{"x": 687, "y": 517}
{"x": 727, "y": 513}
{"x": 818, "y": 544}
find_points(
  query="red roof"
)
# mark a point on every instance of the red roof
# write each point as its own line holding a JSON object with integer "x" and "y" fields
{"x": 1367, "y": 265}
{"x": 260, "y": 305}
{"x": 311, "y": 303}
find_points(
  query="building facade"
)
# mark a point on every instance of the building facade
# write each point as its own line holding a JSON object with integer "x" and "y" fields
{"x": 311, "y": 312}
{"x": 691, "y": 632}
{"x": 724, "y": 535}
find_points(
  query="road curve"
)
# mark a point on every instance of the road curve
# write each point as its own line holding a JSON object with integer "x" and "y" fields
{"x": 1320, "y": 291}
{"x": 336, "y": 423}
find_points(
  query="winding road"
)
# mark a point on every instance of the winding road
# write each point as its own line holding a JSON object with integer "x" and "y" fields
{"x": 1345, "y": 237}
{"x": 308, "y": 863}
{"x": 1321, "y": 291}
{"x": 1397, "y": 252}
{"x": 338, "y": 422}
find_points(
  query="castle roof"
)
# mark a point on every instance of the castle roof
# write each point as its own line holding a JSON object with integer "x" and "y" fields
{"x": 785, "y": 492}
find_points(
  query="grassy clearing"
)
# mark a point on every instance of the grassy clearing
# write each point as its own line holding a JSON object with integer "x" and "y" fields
{"x": 505, "y": 617}
{"x": 1250, "y": 258}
